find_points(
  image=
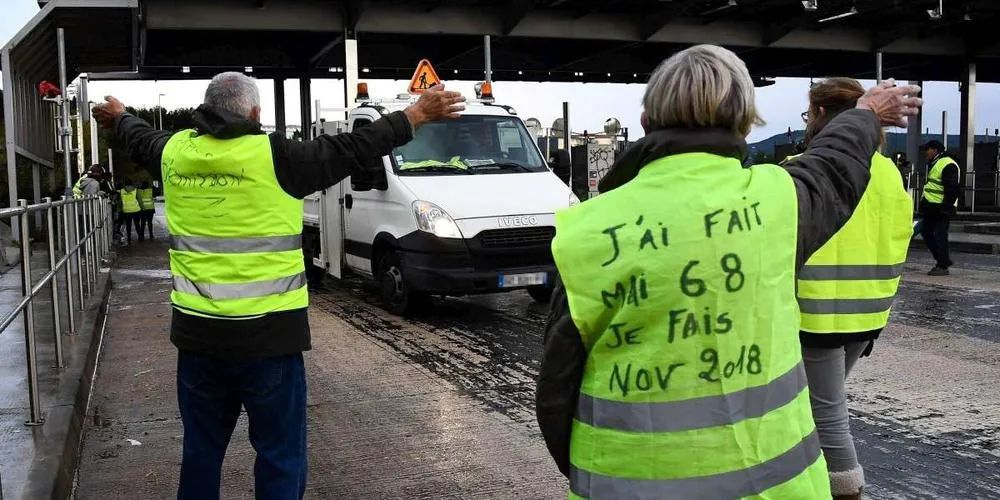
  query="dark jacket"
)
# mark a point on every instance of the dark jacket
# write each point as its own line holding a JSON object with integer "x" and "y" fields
{"x": 830, "y": 178}
{"x": 302, "y": 168}
{"x": 951, "y": 180}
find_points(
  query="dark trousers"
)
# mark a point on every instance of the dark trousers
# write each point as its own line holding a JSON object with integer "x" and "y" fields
{"x": 934, "y": 230}
{"x": 129, "y": 220}
{"x": 146, "y": 222}
{"x": 210, "y": 393}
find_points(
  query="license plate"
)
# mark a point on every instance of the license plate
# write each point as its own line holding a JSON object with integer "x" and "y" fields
{"x": 525, "y": 279}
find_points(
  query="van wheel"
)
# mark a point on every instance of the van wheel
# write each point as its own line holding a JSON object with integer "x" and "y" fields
{"x": 396, "y": 295}
{"x": 542, "y": 294}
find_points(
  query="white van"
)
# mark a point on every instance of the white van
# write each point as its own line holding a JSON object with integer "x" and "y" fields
{"x": 467, "y": 207}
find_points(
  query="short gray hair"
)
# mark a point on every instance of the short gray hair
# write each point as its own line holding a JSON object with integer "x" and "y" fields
{"x": 234, "y": 92}
{"x": 705, "y": 86}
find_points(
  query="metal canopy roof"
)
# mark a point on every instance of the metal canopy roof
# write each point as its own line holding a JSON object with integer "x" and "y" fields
{"x": 556, "y": 40}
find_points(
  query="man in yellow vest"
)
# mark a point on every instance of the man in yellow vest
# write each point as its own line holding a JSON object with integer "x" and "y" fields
{"x": 672, "y": 367}
{"x": 148, "y": 206}
{"x": 130, "y": 207}
{"x": 939, "y": 203}
{"x": 234, "y": 211}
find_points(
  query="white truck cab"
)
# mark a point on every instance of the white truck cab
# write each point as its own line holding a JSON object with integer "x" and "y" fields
{"x": 467, "y": 207}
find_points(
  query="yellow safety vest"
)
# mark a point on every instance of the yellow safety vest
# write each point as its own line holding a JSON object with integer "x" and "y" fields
{"x": 849, "y": 284}
{"x": 236, "y": 235}
{"x": 146, "y": 199}
{"x": 934, "y": 188}
{"x": 681, "y": 283}
{"x": 130, "y": 201}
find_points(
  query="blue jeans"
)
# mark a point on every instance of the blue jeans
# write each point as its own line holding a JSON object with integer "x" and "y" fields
{"x": 210, "y": 393}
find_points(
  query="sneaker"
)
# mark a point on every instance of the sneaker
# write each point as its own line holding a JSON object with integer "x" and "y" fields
{"x": 939, "y": 271}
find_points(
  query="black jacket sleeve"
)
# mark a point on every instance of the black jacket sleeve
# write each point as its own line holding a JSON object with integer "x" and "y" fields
{"x": 304, "y": 167}
{"x": 831, "y": 176}
{"x": 143, "y": 143}
{"x": 952, "y": 186}
{"x": 559, "y": 378}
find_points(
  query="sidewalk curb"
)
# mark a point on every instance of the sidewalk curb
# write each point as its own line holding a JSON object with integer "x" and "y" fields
{"x": 65, "y": 482}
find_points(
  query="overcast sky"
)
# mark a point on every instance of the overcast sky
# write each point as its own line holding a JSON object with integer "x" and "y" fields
{"x": 590, "y": 104}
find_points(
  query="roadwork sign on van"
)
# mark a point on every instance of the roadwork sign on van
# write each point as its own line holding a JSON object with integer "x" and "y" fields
{"x": 423, "y": 78}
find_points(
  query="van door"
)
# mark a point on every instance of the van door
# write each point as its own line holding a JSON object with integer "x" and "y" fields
{"x": 359, "y": 232}
{"x": 331, "y": 228}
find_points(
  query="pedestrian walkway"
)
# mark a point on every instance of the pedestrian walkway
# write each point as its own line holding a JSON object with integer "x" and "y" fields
{"x": 380, "y": 426}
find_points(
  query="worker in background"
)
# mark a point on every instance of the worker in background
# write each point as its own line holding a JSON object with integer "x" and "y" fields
{"x": 672, "y": 366}
{"x": 905, "y": 169}
{"x": 846, "y": 289}
{"x": 147, "y": 209}
{"x": 130, "y": 210}
{"x": 89, "y": 184}
{"x": 234, "y": 212}
{"x": 939, "y": 203}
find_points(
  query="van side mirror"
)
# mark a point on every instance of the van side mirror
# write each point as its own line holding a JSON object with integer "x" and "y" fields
{"x": 372, "y": 178}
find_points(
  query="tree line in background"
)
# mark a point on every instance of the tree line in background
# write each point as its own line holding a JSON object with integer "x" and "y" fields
{"x": 52, "y": 181}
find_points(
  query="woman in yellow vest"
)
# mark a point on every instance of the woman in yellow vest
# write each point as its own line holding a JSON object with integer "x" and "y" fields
{"x": 672, "y": 365}
{"x": 847, "y": 287}
{"x": 129, "y": 196}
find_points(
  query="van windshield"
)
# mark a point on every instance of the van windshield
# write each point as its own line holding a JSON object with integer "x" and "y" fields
{"x": 471, "y": 144}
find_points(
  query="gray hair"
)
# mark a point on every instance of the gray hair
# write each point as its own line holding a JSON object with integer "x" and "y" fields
{"x": 234, "y": 92}
{"x": 705, "y": 86}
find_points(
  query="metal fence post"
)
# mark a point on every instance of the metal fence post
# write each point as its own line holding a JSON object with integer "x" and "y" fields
{"x": 54, "y": 284}
{"x": 35, "y": 416}
{"x": 76, "y": 254}
{"x": 68, "y": 266}
{"x": 88, "y": 217}
{"x": 973, "y": 203}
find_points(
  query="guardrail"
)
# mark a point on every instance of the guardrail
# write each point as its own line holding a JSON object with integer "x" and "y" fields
{"x": 81, "y": 229}
{"x": 974, "y": 183}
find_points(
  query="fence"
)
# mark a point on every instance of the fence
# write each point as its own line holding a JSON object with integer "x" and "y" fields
{"x": 79, "y": 228}
{"x": 981, "y": 190}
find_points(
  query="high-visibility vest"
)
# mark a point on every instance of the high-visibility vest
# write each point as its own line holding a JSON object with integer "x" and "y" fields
{"x": 236, "y": 235}
{"x": 934, "y": 188}
{"x": 849, "y": 284}
{"x": 681, "y": 283}
{"x": 146, "y": 199}
{"x": 78, "y": 188}
{"x": 130, "y": 201}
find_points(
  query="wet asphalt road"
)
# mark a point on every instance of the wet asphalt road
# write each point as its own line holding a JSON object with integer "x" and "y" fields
{"x": 925, "y": 442}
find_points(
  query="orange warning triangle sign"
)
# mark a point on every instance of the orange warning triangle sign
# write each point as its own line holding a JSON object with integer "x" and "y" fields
{"x": 423, "y": 78}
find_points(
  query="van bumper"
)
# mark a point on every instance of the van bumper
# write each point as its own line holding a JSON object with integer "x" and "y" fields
{"x": 455, "y": 269}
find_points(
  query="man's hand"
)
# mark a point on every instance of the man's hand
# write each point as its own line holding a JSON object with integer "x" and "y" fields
{"x": 892, "y": 104}
{"x": 107, "y": 113}
{"x": 434, "y": 104}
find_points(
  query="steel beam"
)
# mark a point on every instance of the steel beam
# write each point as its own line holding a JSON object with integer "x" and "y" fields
{"x": 305, "y": 107}
{"x": 279, "y": 105}
{"x": 914, "y": 139}
{"x": 350, "y": 73}
{"x": 10, "y": 140}
{"x": 967, "y": 127}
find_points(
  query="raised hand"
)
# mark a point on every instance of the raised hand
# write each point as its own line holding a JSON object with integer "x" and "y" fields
{"x": 106, "y": 113}
{"x": 891, "y": 103}
{"x": 435, "y": 104}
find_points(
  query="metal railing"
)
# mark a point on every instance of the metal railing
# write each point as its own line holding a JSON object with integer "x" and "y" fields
{"x": 974, "y": 185}
{"x": 79, "y": 228}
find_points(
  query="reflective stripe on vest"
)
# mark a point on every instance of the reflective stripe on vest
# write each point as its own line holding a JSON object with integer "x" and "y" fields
{"x": 236, "y": 245}
{"x": 735, "y": 484}
{"x": 146, "y": 199}
{"x": 130, "y": 201}
{"x": 850, "y": 283}
{"x": 684, "y": 297}
{"x": 934, "y": 188}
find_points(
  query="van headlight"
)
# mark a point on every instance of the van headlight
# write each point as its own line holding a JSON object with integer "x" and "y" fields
{"x": 573, "y": 199}
{"x": 433, "y": 219}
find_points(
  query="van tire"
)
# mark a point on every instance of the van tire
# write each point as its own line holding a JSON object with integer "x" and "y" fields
{"x": 542, "y": 294}
{"x": 396, "y": 296}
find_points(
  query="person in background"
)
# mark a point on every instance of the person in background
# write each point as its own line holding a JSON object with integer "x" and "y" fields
{"x": 89, "y": 184}
{"x": 130, "y": 210}
{"x": 147, "y": 209}
{"x": 846, "y": 289}
{"x": 240, "y": 320}
{"x": 939, "y": 203}
{"x": 672, "y": 366}
{"x": 905, "y": 169}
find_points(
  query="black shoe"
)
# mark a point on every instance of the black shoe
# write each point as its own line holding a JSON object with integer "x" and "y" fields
{"x": 939, "y": 271}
